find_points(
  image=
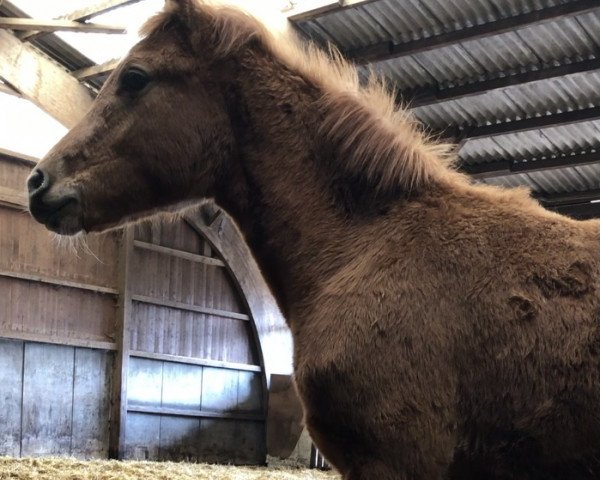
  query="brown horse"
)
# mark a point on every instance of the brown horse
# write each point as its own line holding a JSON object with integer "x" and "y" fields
{"x": 442, "y": 329}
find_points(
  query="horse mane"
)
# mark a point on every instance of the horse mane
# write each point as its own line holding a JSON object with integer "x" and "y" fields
{"x": 372, "y": 133}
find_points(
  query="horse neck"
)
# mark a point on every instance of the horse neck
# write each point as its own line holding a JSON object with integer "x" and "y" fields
{"x": 294, "y": 205}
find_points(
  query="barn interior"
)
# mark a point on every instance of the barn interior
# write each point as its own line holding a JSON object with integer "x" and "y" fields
{"x": 161, "y": 341}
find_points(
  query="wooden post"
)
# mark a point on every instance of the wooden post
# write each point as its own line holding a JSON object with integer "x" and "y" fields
{"x": 122, "y": 337}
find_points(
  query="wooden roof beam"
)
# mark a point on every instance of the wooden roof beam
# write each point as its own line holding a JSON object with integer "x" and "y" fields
{"x": 389, "y": 50}
{"x": 96, "y": 70}
{"x": 8, "y": 89}
{"x": 85, "y": 14}
{"x": 42, "y": 81}
{"x": 56, "y": 25}
{"x": 312, "y": 9}
{"x": 97, "y": 9}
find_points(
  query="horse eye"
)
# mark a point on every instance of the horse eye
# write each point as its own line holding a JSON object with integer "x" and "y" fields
{"x": 134, "y": 80}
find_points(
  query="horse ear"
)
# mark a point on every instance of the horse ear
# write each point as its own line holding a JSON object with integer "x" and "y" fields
{"x": 184, "y": 7}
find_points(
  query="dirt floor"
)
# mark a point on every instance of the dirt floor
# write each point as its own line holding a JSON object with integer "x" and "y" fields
{"x": 69, "y": 469}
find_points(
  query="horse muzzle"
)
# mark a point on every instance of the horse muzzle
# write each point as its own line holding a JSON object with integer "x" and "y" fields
{"x": 59, "y": 209}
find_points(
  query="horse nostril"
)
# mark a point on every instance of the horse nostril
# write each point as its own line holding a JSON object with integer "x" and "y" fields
{"x": 37, "y": 182}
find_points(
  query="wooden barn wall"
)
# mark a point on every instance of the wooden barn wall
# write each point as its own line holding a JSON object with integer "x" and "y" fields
{"x": 195, "y": 388}
{"x": 181, "y": 371}
{"x": 55, "y": 400}
{"x": 48, "y": 289}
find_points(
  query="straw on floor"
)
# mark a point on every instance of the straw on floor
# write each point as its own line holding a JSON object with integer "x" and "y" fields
{"x": 70, "y": 469}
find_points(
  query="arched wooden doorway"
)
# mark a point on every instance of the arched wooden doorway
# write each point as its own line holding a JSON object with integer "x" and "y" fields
{"x": 195, "y": 381}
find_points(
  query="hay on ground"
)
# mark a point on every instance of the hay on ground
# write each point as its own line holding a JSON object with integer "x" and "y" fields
{"x": 71, "y": 469}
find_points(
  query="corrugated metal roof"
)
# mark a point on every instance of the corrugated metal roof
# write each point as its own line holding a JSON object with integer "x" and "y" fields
{"x": 533, "y": 144}
{"x": 564, "y": 41}
{"x": 573, "y": 92}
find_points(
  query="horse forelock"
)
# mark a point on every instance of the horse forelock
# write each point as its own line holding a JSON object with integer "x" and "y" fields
{"x": 373, "y": 134}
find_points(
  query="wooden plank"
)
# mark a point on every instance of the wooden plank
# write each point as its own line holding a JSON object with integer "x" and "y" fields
{"x": 118, "y": 424}
{"x": 42, "y": 256}
{"x": 8, "y": 90}
{"x": 43, "y": 82}
{"x": 31, "y": 24}
{"x": 312, "y": 9}
{"x": 99, "y": 8}
{"x": 47, "y": 400}
{"x": 54, "y": 312}
{"x": 85, "y": 14}
{"x": 56, "y": 340}
{"x": 58, "y": 282}
{"x": 11, "y": 379}
{"x": 177, "y": 412}
{"x": 95, "y": 70}
{"x": 196, "y": 361}
{"x": 12, "y": 198}
{"x": 190, "y": 308}
{"x": 274, "y": 340}
{"x": 179, "y": 253}
{"x": 91, "y": 408}
{"x": 18, "y": 157}
{"x": 208, "y": 337}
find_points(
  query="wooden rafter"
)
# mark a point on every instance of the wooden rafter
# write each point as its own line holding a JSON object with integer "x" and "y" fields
{"x": 316, "y": 8}
{"x": 7, "y": 89}
{"x": 100, "y": 8}
{"x": 96, "y": 70}
{"x": 42, "y": 81}
{"x": 57, "y": 25}
{"x": 85, "y": 14}
{"x": 28, "y": 160}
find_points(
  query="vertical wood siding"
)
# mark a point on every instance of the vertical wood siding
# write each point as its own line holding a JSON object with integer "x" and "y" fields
{"x": 215, "y": 398}
{"x": 55, "y": 400}
{"x": 199, "y": 398}
{"x": 46, "y": 310}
